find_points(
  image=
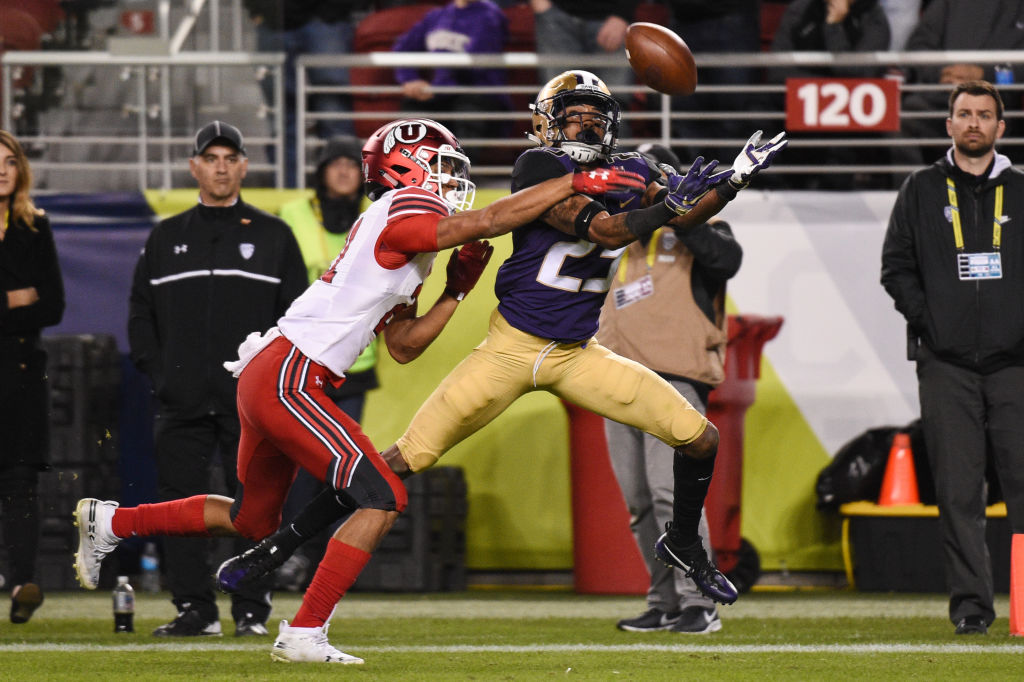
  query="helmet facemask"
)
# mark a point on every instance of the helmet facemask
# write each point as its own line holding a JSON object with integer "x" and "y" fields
{"x": 448, "y": 172}
{"x": 577, "y": 89}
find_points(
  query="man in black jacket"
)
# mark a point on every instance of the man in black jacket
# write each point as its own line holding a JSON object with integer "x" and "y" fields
{"x": 953, "y": 262}
{"x": 206, "y": 279}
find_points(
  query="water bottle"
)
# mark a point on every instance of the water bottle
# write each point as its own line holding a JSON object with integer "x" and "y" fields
{"x": 124, "y": 606}
{"x": 150, "y": 562}
{"x": 1004, "y": 74}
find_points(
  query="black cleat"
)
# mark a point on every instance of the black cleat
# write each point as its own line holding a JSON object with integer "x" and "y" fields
{"x": 694, "y": 562}
{"x": 651, "y": 620}
{"x": 250, "y": 567}
{"x": 971, "y": 625}
{"x": 189, "y": 623}
{"x": 249, "y": 626}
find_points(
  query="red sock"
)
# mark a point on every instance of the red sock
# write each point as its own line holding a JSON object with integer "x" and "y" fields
{"x": 337, "y": 571}
{"x": 177, "y": 517}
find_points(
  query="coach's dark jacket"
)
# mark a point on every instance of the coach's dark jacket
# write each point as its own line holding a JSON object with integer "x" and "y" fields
{"x": 976, "y": 324}
{"x": 206, "y": 279}
{"x": 28, "y": 258}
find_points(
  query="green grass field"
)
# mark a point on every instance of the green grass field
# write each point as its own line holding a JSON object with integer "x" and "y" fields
{"x": 526, "y": 635}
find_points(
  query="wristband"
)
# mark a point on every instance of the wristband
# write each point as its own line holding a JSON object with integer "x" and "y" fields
{"x": 585, "y": 217}
{"x": 660, "y": 196}
{"x": 644, "y": 221}
{"x": 457, "y": 295}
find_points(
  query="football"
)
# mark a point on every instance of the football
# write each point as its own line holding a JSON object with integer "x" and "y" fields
{"x": 660, "y": 59}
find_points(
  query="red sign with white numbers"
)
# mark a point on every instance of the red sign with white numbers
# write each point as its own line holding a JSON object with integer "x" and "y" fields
{"x": 842, "y": 104}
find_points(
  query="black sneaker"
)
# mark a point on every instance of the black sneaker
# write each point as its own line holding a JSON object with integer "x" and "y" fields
{"x": 25, "y": 603}
{"x": 189, "y": 623}
{"x": 250, "y": 626}
{"x": 972, "y": 625}
{"x": 697, "y": 620}
{"x": 248, "y": 568}
{"x": 652, "y": 620}
{"x": 694, "y": 562}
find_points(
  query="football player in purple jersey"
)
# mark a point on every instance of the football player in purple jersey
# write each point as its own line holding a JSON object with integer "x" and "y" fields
{"x": 550, "y": 292}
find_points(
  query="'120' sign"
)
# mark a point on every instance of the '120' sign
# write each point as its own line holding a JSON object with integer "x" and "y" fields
{"x": 838, "y": 104}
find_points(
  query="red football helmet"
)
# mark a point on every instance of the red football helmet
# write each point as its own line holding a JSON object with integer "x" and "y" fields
{"x": 418, "y": 152}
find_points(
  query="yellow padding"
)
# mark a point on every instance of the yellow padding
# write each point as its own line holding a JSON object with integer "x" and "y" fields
{"x": 864, "y": 508}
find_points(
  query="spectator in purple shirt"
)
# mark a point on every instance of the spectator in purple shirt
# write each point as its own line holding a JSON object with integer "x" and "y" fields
{"x": 466, "y": 26}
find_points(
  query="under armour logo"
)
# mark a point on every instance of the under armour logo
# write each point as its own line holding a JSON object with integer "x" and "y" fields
{"x": 601, "y": 174}
{"x": 320, "y": 382}
{"x": 180, "y": 248}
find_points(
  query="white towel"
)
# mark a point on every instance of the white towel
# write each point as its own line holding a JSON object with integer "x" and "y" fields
{"x": 250, "y": 348}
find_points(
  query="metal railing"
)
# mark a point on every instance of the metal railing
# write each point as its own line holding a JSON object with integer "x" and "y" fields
{"x": 662, "y": 116}
{"x": 161, "y": 106}
{"x": 149, "y": 77}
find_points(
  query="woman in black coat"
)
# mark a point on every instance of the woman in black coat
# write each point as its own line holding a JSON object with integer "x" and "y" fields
{"x": 31, "y": 297}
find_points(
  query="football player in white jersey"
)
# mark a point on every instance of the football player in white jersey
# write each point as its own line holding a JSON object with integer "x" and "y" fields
{"x": 418, "y": 177}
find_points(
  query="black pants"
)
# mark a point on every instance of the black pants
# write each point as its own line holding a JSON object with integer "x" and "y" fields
{"x": 19, "y": 516}
{"x": 961, "y": 411}
{"x": 186, "y": 451}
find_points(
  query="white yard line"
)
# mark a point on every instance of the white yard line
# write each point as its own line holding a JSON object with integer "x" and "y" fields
{"x": 1009, "y": 648}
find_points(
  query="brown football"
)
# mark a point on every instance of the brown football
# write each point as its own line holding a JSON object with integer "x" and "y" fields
{"x": 660, "y": 59}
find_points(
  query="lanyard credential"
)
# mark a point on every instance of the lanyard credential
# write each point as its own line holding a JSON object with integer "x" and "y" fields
{"x": 977, "y": 266}
{"x": 997, "y": 227}
{"x": 652, "y": 250}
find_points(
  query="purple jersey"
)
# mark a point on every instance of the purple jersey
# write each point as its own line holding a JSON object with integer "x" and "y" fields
{"x": 553, "y": 284}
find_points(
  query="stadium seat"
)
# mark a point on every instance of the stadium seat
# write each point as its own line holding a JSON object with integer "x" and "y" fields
{"x": 521, "y": 38}
{"x": 654, "y": 12}
{"x": 19, "y": 31}
{"x": 377, "y": 33}
{"x": 47, "y": 13}
{"x": 771, "y": 17}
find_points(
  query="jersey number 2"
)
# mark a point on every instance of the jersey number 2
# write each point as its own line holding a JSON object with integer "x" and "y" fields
{"x": 550, "y": 270}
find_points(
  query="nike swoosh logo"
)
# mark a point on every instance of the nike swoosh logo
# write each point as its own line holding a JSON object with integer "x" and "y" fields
{"x": 622, "y": 204}
{"x": 705, "y": 478}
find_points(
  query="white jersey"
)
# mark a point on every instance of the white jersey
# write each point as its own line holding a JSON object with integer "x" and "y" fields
{"x": 340, "y": 313}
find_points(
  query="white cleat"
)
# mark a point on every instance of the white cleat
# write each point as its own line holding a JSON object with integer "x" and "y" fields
{"x": 96, "y": 539}
{"x": 307, "y": 645}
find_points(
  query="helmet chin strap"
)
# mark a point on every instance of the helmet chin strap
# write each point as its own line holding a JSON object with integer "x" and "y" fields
{"x": 581, "y": 153}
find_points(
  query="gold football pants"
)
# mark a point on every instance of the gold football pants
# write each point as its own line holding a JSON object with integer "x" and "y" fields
{"x": 510, "y": 363}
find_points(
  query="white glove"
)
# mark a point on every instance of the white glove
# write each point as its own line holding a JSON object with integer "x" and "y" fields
{"x": 755, "y": 158}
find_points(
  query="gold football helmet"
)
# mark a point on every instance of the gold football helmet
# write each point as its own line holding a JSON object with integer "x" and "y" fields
{"x": 549, "y": 116}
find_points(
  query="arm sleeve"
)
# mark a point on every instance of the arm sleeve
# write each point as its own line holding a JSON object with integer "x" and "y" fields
{"x": 143, "y": 334}
{"x": 874, "y": 36}
{"x": 413, "y": 40}
{"x": 900, "y": 273}
{"x": 929, "y": 34}
{"x": 49, "y": 286}
{"x": 411, "y": 234}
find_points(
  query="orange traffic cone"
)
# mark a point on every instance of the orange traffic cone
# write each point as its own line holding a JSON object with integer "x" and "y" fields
{"x": 1017, "y": 585}
{"x": 900, "y": 483}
